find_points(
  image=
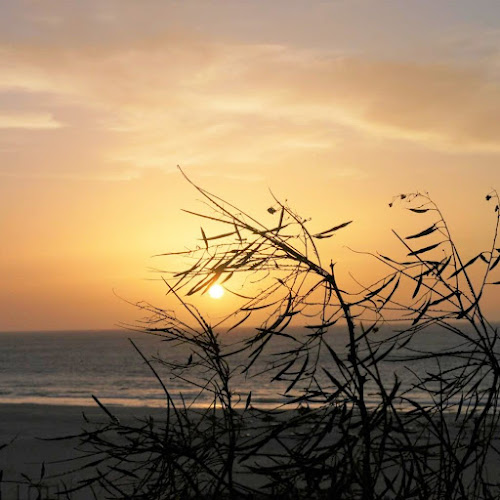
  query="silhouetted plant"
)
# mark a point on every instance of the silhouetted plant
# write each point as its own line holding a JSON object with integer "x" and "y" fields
{"x": 347, "y": 426}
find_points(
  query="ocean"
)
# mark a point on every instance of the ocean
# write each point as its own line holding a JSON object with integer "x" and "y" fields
{"x": 68, "y": 367}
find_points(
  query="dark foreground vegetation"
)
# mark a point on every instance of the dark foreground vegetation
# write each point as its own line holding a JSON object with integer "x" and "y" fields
{"x": 345, "y": 430}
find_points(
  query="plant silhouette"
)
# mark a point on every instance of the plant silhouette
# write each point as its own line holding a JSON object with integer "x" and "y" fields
{"x": 344, "y": 427}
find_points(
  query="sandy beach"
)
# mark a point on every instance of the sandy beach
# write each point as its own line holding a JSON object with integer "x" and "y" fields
{"x": 26, "y": 426}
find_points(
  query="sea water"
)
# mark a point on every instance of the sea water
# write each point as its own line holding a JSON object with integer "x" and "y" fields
{"x": 68, "y": 367}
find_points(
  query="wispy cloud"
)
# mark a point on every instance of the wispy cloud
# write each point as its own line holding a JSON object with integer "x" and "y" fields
{"x": 174, "y": 99}
{"x": 29, "y": 121}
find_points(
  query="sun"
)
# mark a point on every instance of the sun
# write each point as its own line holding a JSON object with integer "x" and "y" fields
{"x": 216, "y": 291}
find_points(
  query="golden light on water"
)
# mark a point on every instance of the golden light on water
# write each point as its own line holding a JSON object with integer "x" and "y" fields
{"x": 216, "y": 291}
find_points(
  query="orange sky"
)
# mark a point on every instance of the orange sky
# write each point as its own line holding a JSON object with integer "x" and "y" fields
{"x": 335, "y": 106}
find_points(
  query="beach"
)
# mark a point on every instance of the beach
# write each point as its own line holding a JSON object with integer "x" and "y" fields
{"x": 25, "y": 429}
{"x": 47, "y": 380}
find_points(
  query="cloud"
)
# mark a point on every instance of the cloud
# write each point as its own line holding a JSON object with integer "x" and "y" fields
{"x": 37, "y": 121}
{"x": 175, "y": 99}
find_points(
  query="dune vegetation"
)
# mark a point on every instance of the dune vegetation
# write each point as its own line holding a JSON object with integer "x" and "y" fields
{"x": 343, "y": 427}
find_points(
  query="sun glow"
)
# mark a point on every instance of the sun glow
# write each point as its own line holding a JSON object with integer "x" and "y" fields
{"x": 216, "y": 291}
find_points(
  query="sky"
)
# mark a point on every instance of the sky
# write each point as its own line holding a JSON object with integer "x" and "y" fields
{"x": 335, "y": 106}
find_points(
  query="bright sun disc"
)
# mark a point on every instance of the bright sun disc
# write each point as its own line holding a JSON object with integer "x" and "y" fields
{"x": 216, "y": 291}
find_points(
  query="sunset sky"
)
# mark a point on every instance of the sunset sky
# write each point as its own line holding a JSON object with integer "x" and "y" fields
{"x": 335, "y": 106}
